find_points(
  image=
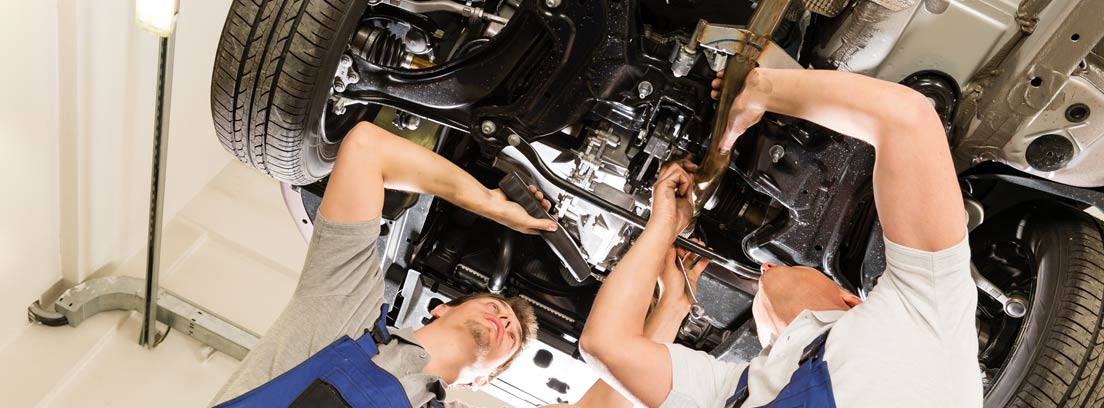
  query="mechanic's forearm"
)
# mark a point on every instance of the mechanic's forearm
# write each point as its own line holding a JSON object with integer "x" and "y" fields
{"x": 661, "y": 326}
{"x": 855, "y": 105}
{"x": 622, "y": 301}
{"x": 666, "y": 318}
{"x": 915, "y": 185}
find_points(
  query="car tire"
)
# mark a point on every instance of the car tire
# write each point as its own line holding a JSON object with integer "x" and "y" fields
{"x": 1058, "y": 358}
{"x": 270, "y": 86}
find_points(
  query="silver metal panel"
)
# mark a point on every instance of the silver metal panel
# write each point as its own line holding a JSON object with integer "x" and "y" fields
{"x": 942, "y": 41}
{"x": 395, "y": 247}
{"x": 1086, "y": 169}
{"x": 1003, "y": 105}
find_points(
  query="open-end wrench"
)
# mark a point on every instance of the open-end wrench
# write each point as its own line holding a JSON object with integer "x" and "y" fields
{"x": 696, "y": 309}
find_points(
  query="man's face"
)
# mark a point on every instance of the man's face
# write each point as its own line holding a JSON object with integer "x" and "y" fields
{"x": 485, "y": 328}
{"x": 786, "y": 291}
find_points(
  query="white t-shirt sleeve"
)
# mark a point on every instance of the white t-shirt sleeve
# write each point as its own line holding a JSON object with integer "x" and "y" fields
{"x": 933, "y": 289}
{"x": 699, "y": 380}
{"x": 920, "y": 315}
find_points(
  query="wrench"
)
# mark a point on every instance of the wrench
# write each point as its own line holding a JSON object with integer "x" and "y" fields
{"x": 1013, "y": 306}
{"x": 696, "y": 309}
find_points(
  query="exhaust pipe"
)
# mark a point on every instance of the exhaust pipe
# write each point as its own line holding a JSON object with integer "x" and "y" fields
{"x": 758, "y": 33}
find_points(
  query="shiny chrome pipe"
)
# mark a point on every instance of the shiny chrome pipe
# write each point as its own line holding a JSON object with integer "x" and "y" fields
{"x": 763, "y": 22}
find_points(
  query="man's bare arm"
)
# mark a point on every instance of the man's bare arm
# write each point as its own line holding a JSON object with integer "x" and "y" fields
{"x": 661, "y": 326}
{"x": 915, "y": 186}
{"x": 613, "y": 337}
{"x": 371, "y": 159}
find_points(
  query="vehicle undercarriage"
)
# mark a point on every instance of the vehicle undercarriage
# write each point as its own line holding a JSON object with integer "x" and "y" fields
{"x": 586, "y": 98}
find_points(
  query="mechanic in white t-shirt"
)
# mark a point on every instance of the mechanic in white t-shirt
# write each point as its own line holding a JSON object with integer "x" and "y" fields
{"x": 911, "y": 343}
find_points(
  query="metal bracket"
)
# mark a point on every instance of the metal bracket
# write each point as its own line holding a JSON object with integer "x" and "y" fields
{"x": 127, "y": 293}
{"x": 723, "y": 41}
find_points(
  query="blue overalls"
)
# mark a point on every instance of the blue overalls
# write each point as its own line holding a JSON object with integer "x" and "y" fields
{"x": 810, "y": 385}
{"x": 340, "y": 375}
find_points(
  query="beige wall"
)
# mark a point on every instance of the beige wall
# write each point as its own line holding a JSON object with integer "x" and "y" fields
{"x": 76, "y": 122}
{"x": 110, "y": 67}
{"x": 29, "y": 245}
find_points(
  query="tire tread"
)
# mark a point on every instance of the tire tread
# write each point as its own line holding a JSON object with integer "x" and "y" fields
{"x": 1069, "y": 368}
{"x": 267, "y": 69}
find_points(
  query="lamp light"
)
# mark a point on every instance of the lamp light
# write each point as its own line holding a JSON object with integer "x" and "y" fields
{"x": 156, "y": 16}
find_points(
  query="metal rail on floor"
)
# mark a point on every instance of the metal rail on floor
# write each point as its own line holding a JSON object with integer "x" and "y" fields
{"x": 128, "y": 293}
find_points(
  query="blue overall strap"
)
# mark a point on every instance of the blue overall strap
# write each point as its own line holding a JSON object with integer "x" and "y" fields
{"x": 379, "y": 332}
{"x": 810, "y": 385}
{"x": 741, "y": 393}
{"x": 340, "y": 375}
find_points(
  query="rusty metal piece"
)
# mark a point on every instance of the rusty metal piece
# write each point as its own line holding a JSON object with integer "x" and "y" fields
{"x": 859, "y": 30}
{"x": 416, "y": 62}
{"x": 766, "y": 18}
{"x": 895, "y": 5}
{"x": 827, "y": 8}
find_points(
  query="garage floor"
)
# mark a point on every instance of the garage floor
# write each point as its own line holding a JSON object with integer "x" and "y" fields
{"x": 232, "y": 249}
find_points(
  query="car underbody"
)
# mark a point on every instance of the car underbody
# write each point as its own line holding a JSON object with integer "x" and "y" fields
{"x": 585, "y": 99}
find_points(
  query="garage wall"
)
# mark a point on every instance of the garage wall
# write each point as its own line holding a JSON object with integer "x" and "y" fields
{"x": 29, "y": 244}
{"x": 76, "y": 121}
{"x": 109, "y": 75}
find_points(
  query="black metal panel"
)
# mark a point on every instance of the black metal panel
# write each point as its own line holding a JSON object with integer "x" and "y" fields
{"x": 539, "y": 75}
{"x": 820, "y": 181}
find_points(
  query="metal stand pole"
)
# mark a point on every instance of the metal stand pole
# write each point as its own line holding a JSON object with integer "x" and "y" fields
{"x": 148, "y": 336}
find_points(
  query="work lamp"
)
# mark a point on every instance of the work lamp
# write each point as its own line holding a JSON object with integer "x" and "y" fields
{"x": 156, "y": 16}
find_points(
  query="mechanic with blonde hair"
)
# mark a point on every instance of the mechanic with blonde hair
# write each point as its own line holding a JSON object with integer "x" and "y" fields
{"x": 331, "y": 345}
{"x": 911, "y": 343}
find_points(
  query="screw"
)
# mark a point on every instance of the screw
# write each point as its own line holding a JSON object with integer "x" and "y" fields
{"x": 338, "y": 86}
{"x": 488, "y": 127}
{"x": 776, "y": 153}
{"x": 346, "y": 60}
{"x": 552, "y": 3}
{"x": 644, "y": 89}
{"x": 513, "y": 140}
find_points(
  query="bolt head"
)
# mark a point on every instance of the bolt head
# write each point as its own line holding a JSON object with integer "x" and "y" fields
{"x": 777, "y": 152}
{"x": 1016, "y": 306}
{"x": 643, "y": 89}
{"x": 488, "y": 127}
{"x": 552, "y": 3}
